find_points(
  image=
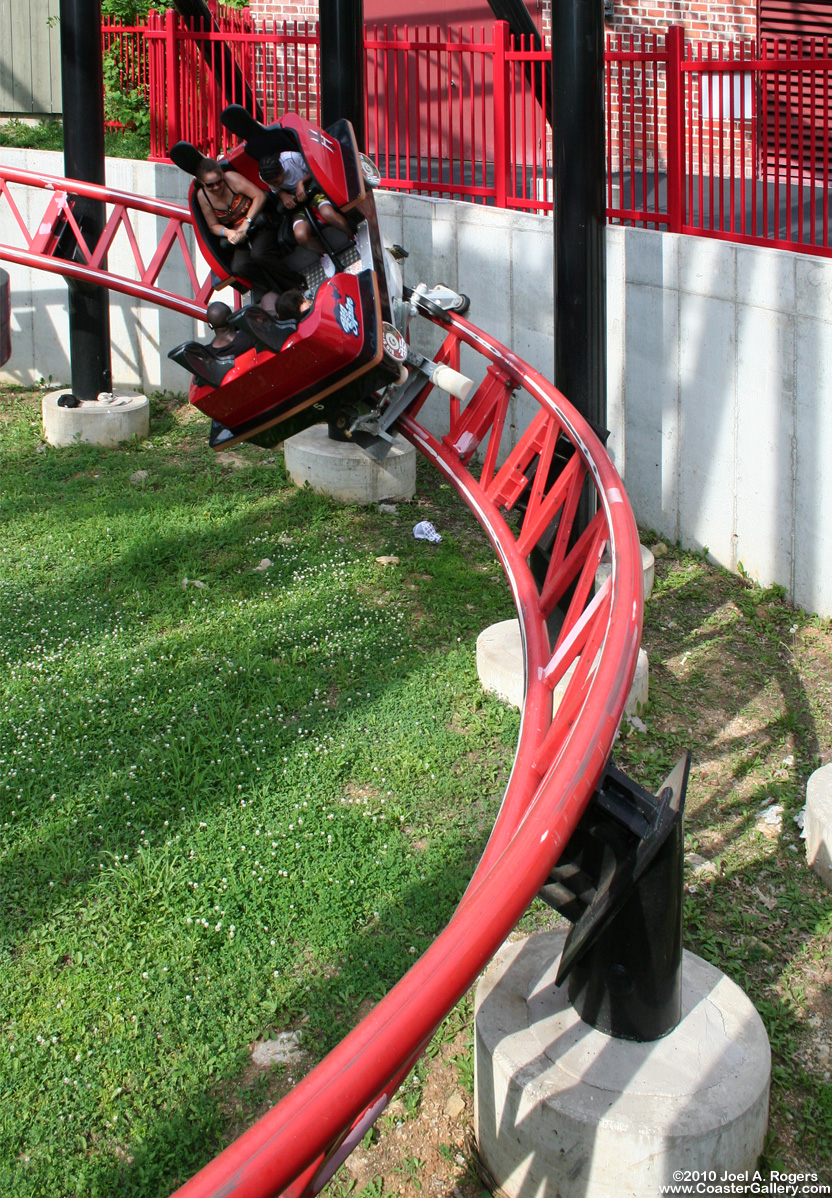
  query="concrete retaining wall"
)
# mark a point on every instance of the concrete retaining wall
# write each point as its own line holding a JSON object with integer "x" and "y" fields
{"x": 719, "y": 372}
{"x": 719, "y": 362}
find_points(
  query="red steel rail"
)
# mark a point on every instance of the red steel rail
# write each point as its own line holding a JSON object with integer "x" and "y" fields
{"x": 297, "y": 1146}
{"x": 516, "y": 494}
{"x": 42, "y": 228}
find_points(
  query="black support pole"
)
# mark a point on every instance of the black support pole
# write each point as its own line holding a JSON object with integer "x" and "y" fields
{"x": 221, "y": 62}
{"x": 82, "y": 88}
{"x": 521, "y": 25}
{"x": 579, "y": 209}
{"x": 341, "y": 64}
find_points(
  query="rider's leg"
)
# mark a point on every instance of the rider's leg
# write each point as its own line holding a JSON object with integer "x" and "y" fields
{"x": 330, "y": 215}
{"x": 305, "y": 236}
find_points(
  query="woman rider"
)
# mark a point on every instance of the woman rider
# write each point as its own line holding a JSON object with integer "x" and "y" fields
{"x": 229, "y": 203}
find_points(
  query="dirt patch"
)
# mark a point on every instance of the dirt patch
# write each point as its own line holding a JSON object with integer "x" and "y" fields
{"x": 422, "y": 1144}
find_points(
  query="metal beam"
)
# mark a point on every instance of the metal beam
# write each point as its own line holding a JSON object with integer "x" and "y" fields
{"x": 579, "y": 212}
{"x": 521, "y": 25}
{"x": 219, "y": 58}
{"x": 341, "y": 64}
{"x": 82, "y": 87}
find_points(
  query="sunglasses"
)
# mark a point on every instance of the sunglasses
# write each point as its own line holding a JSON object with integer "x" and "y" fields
{"x": 214, "y": 186}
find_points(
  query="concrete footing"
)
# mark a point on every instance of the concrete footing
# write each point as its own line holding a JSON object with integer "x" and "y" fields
{"x": 817, "y": 823}
{"x": 648, "y": 569}
{"x": 105, "y": 422}
{"x": 346, "y": 472}
{"x": 563, "y": 1111}
{"x": 500, "y": 668}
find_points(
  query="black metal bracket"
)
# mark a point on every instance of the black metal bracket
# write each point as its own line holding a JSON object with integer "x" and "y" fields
{"x": 619, "y": 881}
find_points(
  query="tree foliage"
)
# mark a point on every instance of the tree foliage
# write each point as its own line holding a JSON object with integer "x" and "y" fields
{"x": 129, "y": 10}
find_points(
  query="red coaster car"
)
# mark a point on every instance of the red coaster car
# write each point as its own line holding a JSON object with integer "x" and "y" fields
{"x": 347, "y": 347}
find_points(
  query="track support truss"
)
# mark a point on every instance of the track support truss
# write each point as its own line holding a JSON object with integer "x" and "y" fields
{"x": 523, "y": 495}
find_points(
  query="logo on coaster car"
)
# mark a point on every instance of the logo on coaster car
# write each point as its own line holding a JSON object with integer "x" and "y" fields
{"x": 347, "y": 318}
{"x": 394, "y": 343}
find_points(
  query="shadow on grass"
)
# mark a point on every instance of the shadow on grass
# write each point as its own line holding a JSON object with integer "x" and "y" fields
{"x": 187, "y": 1133}
{"x": 725, "y": 682}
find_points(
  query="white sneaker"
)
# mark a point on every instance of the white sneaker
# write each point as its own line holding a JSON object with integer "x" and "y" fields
{"x": 328, "y": 265}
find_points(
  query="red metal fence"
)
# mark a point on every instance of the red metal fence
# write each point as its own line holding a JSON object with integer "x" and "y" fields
{"x": 727, "y": 140}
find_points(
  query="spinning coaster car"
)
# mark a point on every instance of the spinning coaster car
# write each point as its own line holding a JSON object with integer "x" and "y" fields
{"x": 347, "y": 360}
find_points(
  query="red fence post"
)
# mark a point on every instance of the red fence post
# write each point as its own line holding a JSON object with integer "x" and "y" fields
{"x": 674, "y": 86}
{"x": 502, "y": 120}
{"x": 172, "y": 77}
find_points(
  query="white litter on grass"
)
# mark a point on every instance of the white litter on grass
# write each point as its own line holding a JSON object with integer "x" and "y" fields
{"x": 771, "y": 816}
{"x": 265, "y": 563}
{"x": 636, "y": 723}
{"x": 424, "y": 531}
{"x": 389, "y": 509}
{"x": 112, "y": 401}
{"x": 285, "y": 1049}
{"x": 193, "y": 582}
{"x": 800, "y": 820}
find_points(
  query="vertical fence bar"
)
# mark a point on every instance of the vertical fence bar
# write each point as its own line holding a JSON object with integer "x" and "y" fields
{"x": 621, "y": 120}
{"x": 826, "y": 118}
{"x": 608, "y": 116}
{"x": 743, "y": 120}
{"x": 172, "y": 78}
{"x": 502, "y": 149}
{"x": 487, "y": 60}
{"x": 674, "y": 45}
{"x": 812, "y": 152}
{"x": 802, "y": 164}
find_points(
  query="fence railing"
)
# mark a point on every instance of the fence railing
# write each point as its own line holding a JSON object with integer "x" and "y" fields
{"x": 727, "y": 140}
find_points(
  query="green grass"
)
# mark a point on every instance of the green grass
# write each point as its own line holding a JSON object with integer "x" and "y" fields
{"x": 242, "y": 807}
{"x": 742, "y": 678}
{"x": 227, "y": 809}
{"x": 49, "y": 135}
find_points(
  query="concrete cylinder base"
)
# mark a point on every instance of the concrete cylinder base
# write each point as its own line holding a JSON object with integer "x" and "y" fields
{"x": 99, "y": 422}
{"x": 818, "y": 823}
{"x": 346, "y": 472}
{"x": 500, "y": 668}
{"x": 648, "y": 571}
{"x": 563, "y": 1111}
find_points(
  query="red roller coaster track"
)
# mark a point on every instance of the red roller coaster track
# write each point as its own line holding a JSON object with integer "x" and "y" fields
{"x": 297, "y": 1146}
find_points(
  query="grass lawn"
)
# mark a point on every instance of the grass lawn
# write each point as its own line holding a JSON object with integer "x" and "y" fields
{"x": 236, "y": 801}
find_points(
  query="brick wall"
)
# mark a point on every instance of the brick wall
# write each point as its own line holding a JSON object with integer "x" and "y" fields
{"x": 284, "y": 10}
{"x": 701, "y": 18}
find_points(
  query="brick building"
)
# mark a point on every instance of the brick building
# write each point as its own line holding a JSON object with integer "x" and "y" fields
{"x": 702, "y": 19}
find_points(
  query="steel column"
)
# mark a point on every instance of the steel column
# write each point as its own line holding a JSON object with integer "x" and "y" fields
{"x": 579, "y": 166}
{"x": 82, "y": 89}
{"x": 219, "y": 58}
{"x": 341, "y": 64}
{"x": 521, "y": 26}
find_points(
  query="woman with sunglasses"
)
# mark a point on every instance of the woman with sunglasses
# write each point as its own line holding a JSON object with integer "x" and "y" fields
{"x": 229, "y": 203}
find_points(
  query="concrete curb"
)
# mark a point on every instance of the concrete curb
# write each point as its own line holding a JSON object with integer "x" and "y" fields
{"x": 97, "y": 422}
{"x": 346, "y": 472}
{"x": 818, "y": 823}
{"x": 563, "y": 1111}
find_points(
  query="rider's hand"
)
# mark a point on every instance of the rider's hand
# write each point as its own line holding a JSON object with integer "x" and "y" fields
{"x": 301, "y": 193}
{"x": 235, "y": 236}
{"x": 288, "y": 199}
